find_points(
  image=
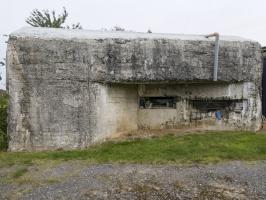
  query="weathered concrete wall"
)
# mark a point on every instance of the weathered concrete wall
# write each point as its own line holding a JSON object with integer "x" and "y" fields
{"x": 122, "y": 58}
{"x": 159, "y": 118}
{"x": 61, "y": 82}
{"x": 117, "y": 110}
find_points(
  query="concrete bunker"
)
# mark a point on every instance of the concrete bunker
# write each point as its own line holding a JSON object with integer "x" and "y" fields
{"x": 71, "y": 88}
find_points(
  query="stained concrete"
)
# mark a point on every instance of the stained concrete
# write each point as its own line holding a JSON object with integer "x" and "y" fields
{"x": 181, "y": 116}
{"x": 71, "y": 88}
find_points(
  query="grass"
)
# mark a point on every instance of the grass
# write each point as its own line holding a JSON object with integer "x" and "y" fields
{"x": 20, "y": 172}
{"x": 195, "y": 148}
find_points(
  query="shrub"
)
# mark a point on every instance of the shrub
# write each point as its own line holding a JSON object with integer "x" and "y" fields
{"x": 3, "y": 121}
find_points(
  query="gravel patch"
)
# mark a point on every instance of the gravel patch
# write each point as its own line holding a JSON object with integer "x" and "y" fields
{"x": 231, "y": 180}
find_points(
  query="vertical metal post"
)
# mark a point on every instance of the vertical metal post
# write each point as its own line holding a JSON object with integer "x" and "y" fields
{"x": 216, "y": 54}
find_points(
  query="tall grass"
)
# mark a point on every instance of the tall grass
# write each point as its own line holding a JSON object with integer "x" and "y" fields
{"x": 203, "y": 148}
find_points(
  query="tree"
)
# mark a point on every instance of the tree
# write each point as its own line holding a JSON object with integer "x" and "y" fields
{"x": 46, "y": 19}
{"x": 3, "y": 120}
{"x": 2, "y": 63}
{"x": 3, "y": 115}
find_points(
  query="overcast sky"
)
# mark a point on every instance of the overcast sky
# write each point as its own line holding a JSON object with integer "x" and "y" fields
{"x": 246, "y": 18}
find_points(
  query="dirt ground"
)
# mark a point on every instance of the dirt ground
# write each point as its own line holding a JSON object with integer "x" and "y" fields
{"x": 149, "y": 133}
{"x": 82, "y": 180}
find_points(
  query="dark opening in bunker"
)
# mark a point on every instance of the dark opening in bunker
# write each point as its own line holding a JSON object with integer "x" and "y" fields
{"x": 209, "y": 105}
{"x": 157, "y": 102}
{"x": 205, "y": 108}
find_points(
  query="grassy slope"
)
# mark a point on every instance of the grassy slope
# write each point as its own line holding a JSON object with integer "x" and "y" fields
{"x": 208, "y": 147}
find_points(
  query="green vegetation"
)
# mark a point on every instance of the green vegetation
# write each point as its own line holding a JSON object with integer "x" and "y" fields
{"x": 3, "y": 121}
{"x": 45, "y": 18}
{"x": 20, "y": 172}
{"x": 202, "y": 148}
